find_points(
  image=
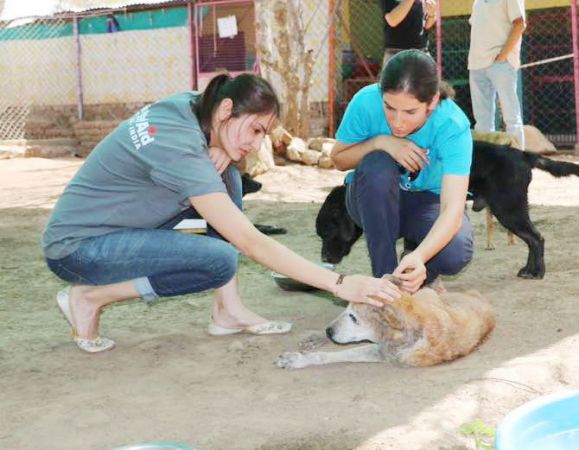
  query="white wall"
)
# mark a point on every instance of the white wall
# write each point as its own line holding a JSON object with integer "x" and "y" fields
{"x": 135, "y": 66}
{"x": 131, "y": 66}
{"x": 37, "y": 72}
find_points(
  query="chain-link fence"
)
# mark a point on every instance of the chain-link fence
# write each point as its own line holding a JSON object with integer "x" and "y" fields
{"x": 547, "y": 74}
{"x": 225, "y": 39}
{"x": 102, "y": 65}
{"x": 96, "y": 66}
{"x": 546, "y": 78}
{"x": 36, "y": 67}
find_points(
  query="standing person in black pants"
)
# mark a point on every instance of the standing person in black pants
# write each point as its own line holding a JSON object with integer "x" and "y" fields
{"x": 406, "y": 23}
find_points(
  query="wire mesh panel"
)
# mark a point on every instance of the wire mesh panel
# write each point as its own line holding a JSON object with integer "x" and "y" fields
{"x": 546, "y": 85}
{"x": 547, "y": 74}
{"x": 37, "y": 67}
{"x": 455, "y": 40}
{"x": 359, "y": 48}
{"x": 225, "y": 38}
{"x": 134, "y": 57}
{"x": 317, "y": 53}
{"x": 546, "y": 77}
{"x": 99, "y": 65}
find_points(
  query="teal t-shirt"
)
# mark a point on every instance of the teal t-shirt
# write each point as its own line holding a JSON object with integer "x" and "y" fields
{"x": 445, "y": 135}
{"x": 139, "y": 176}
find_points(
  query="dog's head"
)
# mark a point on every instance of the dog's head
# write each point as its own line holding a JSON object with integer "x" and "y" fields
{"x": 249, "y": 185}
{"x": 393, "y": 323}
{"x": 334, "y": 225}
{"x": 360, "y": 322}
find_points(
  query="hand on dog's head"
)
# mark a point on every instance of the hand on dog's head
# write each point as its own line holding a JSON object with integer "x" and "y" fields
{"x": 393, "y": 279}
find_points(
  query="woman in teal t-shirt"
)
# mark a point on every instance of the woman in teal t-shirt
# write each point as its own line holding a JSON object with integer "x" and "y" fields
{"x": 411, "y": 147}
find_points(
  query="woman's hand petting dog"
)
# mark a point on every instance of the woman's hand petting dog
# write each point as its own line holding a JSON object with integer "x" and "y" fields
{"x": 363, "y": 289}
{"x": 411, "y": 271}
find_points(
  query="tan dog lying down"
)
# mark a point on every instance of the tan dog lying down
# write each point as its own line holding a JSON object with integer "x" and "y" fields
{"x": 417, "y": 330}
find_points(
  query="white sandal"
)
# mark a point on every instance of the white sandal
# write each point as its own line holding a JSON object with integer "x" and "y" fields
{"x": 270, "y": 327}
{"x": 88, "y": 345}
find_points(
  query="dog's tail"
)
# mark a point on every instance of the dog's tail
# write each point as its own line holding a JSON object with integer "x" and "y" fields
{"x": 555, "y": 168}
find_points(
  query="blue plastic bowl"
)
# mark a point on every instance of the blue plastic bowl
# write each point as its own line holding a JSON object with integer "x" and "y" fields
{"x": 156, "y": 446}
{"x": 547, "y": 423}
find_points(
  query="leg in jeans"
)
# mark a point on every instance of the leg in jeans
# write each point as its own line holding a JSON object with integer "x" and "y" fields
{"x": 372, "y": 200}
{"x": 419, "y": 211}
{"x": 504, "y": 77}
{"x": 227, "y": 311}
{"x": 140, "y": 263}
{"x": 161, "y": 263}
{"x": 483, "y": 94}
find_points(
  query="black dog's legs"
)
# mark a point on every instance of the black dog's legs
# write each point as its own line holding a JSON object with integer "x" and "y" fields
{"x": 521, "y": 225}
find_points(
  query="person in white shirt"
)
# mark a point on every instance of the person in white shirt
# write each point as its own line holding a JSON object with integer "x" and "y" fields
{"x": 497, "y": 27}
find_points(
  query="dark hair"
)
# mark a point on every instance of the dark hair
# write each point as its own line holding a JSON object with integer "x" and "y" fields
{"x": 414, "y": 72}
{"x": 249, "y": 93}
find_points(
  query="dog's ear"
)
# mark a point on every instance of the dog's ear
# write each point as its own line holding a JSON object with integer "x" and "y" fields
{"x": 389, "y": 315}
{"x": 347, "y": 228}
{"x": 394, "y": 314}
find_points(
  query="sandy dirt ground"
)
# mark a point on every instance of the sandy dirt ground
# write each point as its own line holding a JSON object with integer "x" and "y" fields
{"x": 167, "y": 380}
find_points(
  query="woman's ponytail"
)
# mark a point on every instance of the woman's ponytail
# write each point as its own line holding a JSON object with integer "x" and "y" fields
{"x": 249, "y": 93}
{"x": 209, "y": 99}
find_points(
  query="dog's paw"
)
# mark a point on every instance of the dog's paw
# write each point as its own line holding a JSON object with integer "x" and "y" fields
{"x": 313, "y": 342}
{"x": 531, "y": 275}
{"x": 291, "y": 360}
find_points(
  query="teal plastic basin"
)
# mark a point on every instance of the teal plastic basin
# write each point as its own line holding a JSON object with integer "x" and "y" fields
{"x": 547, "y": 423}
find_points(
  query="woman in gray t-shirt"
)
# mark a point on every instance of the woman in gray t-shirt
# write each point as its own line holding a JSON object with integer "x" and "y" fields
{"x": 110, "y": 232}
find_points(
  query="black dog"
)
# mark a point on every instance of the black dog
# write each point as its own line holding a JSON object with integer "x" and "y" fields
{"x": 334, "y": 225}
{"x": 249, "y": 186}
{"x": 499, "y": 178}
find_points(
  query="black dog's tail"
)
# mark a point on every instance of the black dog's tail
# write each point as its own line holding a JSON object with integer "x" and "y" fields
{"x": 555, "y": 168}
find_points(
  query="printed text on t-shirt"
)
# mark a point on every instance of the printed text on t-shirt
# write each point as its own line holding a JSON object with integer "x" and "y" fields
{"x": 139, "y": 129}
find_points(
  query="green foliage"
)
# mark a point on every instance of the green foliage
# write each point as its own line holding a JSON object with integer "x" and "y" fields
{"x": 482, "y": 434}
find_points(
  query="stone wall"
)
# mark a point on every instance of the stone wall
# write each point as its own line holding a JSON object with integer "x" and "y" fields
{"x": 61, "y": 122}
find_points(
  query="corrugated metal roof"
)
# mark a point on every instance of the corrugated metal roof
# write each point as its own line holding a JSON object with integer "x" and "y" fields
{"x": 85, "y": 5}
{"x": 16, "y": 9}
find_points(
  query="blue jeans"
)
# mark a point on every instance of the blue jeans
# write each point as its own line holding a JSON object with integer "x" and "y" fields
{"x": 500, "y": 78}
{"x": 160, "y": 262}
{"x": 386, "y": 213}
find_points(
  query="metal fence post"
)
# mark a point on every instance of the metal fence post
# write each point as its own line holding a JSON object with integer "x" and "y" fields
{"x": 79, "y": 89}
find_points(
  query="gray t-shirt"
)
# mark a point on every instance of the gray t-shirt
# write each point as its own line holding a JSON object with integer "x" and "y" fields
{"x": 139, "y": 176}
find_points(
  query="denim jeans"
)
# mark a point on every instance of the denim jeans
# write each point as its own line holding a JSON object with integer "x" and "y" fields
{"x": 500, "y": 78}
{"x": 386, "y": 213}
{"x": 160, "y": 262}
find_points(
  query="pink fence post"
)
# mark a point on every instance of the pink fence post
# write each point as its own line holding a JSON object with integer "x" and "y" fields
{"x": 575, "y": 70}
{"x": 439, "y": 38}
{"x": 331, "y": 79}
